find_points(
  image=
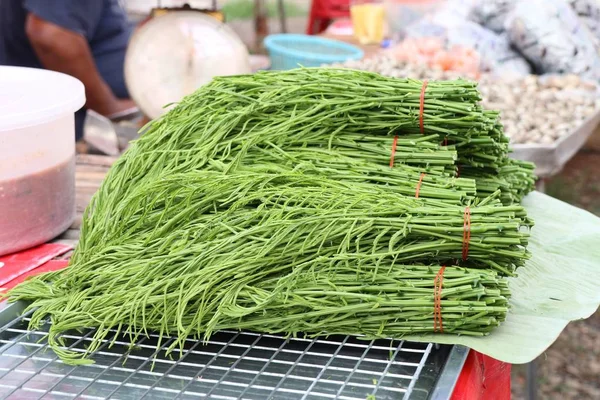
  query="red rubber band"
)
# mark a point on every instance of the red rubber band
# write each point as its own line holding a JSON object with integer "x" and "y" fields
{"x": 422, "y": 106}
{"x": 458, "y": 171}
{"x": 446, "y": 141}
{"x": 393, "y": 151}
{"x": 438, "y": 281}
{"x": 466, "y": 233}
{"x": 419, "y": 185}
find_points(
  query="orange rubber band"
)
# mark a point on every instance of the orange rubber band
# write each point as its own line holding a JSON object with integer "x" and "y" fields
{"x": 393, "y": 151}
{"x": 438, "y": 281}
{"x": 466, "y": 233}
{"x": 422, "y": 106}
{"x": 419, "y": 185}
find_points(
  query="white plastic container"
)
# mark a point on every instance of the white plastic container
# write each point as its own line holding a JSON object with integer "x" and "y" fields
{"x": 37, "y": 155}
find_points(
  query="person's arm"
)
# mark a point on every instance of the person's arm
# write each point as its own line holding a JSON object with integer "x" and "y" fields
{"x": 63, "y": 50}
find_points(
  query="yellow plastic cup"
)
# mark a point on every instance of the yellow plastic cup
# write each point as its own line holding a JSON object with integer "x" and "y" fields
{"x": 368, "y": 21}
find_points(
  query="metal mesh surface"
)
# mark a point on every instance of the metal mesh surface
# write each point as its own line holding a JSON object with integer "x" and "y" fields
{"x": 232, "y": 365}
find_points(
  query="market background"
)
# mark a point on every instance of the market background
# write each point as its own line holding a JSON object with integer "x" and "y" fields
{"x": 569, "y": 369}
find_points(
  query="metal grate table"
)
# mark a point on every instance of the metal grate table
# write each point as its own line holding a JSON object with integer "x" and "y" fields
{"x": 232, "y": 365}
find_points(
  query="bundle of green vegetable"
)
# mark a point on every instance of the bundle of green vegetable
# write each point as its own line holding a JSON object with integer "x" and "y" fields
{"x": 365, "y": 159}
{"x": 196, "y": 252}
{"x": 268, "y": 203}
{"x": 232, "y": 118}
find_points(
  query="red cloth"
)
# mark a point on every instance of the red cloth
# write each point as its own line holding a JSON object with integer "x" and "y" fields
{"x": 52, "y": 265}
{"x": 483, "y": 378}
{"x": 13, "y": 266}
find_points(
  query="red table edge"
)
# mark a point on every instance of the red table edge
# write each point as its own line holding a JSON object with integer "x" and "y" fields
{"x": 481, "y": 378}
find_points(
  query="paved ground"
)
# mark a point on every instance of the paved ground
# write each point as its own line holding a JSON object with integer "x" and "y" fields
{"x": 570, "y": 368}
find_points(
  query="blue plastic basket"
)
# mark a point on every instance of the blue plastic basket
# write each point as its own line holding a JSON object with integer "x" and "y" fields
{"x": 289, "y": 51}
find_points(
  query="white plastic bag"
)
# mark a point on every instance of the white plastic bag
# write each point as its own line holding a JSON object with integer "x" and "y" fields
{"x": 492, "y": 14}
{"x": 588, "y": 12}
{"x": 552, "y": 37}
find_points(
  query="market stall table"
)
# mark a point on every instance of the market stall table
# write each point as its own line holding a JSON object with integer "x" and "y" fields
{"x": 236, "y": 365}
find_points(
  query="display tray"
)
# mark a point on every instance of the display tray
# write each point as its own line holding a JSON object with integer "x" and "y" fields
{"x": 231, "y": 365}
{"x": 550, "y": 159}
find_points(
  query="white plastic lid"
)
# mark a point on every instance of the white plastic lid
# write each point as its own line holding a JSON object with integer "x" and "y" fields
{"x": 30, "y": 96}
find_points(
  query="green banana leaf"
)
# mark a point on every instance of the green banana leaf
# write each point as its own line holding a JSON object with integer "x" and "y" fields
{"x": 561, "y": 283}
